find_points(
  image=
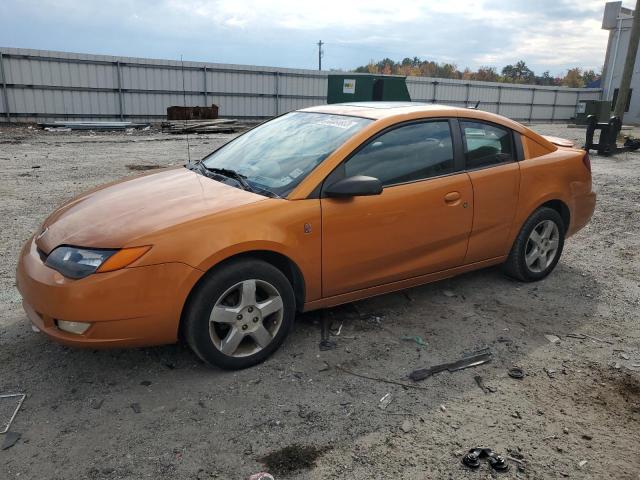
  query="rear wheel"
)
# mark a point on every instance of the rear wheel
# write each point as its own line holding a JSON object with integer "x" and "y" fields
{"x": 240, "y": 314}
{"x": 538, "y": 246}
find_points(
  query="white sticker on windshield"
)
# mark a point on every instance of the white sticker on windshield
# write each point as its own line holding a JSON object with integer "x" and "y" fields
{"x": 295, "y": 173}
{"x": 343, "y": 123}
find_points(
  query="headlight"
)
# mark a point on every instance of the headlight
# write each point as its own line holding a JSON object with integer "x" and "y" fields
{"x": 75, "y": 262}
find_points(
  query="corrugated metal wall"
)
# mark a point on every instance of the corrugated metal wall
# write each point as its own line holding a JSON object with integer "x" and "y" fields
{"x": 41, "y": 85}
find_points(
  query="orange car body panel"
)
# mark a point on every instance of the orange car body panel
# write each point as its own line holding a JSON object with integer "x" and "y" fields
{"x": 407, "y": 231}
{"x": 345, "y": 250}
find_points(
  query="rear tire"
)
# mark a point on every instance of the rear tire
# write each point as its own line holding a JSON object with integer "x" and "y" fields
{"x": 239, "y": 314}
{"x": 538, "y": 246}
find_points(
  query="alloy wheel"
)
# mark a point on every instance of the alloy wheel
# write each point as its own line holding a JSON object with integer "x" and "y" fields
{"x": 542, "y": 246}
{"x": 246, "y": 318}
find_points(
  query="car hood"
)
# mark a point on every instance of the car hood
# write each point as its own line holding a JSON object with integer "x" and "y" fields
{"x": 116, "y": 214}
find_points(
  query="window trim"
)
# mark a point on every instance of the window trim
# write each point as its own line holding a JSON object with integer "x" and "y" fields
{"x": 339, "y": 172}
{"x": 516, "y": 146}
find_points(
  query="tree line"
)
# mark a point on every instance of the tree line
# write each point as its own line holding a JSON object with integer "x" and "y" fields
{"x": 516, "y": 73}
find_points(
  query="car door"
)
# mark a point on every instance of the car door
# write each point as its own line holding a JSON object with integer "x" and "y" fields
{"x": 419, "y": 224}
{"x": 491, "y": 161}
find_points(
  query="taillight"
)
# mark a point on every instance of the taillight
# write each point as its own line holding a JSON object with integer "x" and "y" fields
{"x": 587, "y": 161}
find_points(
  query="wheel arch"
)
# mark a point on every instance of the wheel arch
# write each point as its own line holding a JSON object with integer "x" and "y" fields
{"x": 282, "y": 262}
{"x": 559, "y": 206}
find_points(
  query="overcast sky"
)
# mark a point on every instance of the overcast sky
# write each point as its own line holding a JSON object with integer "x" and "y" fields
{"x": 548, "y": 34}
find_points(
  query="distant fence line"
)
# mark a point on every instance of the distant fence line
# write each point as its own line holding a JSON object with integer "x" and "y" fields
{"x": 41, "y": 85}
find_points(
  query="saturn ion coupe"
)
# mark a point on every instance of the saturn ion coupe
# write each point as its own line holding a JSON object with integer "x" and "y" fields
{"x": 314, "y": 208}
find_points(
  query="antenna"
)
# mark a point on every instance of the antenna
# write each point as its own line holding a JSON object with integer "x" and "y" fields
{"x": 475, "y": 107}
{"x": 184, "y": 104}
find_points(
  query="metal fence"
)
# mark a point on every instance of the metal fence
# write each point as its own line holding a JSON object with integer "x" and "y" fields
{"x": 43, "y": 86}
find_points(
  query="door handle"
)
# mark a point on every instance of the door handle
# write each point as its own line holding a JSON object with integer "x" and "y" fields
{"x": 452, "y": 197}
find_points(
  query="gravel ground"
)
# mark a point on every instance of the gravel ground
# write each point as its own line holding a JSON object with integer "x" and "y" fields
{"x": 160, "y": 413}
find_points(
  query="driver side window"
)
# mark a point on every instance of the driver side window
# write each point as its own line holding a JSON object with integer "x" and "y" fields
{"x": 405, "y": 154}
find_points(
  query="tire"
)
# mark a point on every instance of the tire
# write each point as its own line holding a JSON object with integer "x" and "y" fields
{"x": 249, "y": 322}
{"x": 544, "y": 230}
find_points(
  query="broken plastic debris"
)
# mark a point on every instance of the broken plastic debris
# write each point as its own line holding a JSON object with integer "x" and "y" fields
{"x": 385, "y": 401}
{"x": 261, "y": 476}
{"x": 415, "y": 338}
{"x": 552, "y": 338}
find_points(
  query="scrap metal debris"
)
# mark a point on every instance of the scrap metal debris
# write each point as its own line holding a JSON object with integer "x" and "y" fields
{"x": 19, "y": 398}
{"x": 473, "y": 457}
{"x": 220, "y": 125}
{"x": 477, "y": 358}
{"x": 66, "y": 126}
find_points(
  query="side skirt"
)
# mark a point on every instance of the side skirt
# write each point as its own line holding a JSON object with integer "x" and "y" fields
{"x": 399, "y": 285}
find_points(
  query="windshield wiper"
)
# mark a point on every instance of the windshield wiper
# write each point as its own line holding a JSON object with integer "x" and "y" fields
{"x": 227, "y": 172}
{"x": 238, "y": 177}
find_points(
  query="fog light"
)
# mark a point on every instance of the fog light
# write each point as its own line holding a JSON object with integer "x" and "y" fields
{"x": 73, "y": 327}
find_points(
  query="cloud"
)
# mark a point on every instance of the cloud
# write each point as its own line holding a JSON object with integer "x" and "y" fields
{"x": 548, "y": 34}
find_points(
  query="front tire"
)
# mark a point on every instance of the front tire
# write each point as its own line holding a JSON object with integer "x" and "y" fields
{"x": 240, "y": 314}
{"x": 537, "y": 248}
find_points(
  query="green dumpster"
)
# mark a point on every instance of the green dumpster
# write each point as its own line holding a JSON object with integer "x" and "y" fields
{"x": 364, "y": 87}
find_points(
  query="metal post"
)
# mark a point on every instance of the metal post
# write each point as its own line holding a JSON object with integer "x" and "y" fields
{"x": 533, "y": 97}
{"x": 466, "y": 100}
{"x": 4, "y": 89}
{"x": 499, "y": 98}
{"x": 120, "y": 99}
{"x": 553, "y": 109}
{"x": 206, "y": 96}
{"x": 435, "y": 90}
{"x": 629, "y": 64}
{"x": 276, "y": 93}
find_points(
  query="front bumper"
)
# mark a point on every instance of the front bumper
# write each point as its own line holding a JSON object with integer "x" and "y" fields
{"x": 136, "y": 306}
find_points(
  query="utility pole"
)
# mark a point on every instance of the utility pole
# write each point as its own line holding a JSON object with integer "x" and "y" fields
{"x": 629, "y": 63}
{"x": 321, "y": 53}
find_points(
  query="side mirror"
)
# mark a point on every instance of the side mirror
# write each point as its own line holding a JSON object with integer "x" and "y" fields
{"x": 356, "y": 186}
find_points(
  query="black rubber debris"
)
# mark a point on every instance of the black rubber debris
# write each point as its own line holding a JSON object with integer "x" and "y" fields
{"x": 10, "y": 439}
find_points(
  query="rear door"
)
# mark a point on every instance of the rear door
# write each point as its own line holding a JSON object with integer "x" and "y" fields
{"x": 419, "y": 224}
{"x": 491, "y": 162}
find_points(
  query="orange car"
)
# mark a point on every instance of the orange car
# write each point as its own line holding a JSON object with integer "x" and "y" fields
{"x": 315, "y": 208}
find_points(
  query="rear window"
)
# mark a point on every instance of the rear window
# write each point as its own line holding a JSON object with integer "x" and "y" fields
{"x": 486, "y": 144}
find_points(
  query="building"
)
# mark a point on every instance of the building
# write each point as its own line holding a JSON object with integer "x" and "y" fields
{"x": 617, "y": 20}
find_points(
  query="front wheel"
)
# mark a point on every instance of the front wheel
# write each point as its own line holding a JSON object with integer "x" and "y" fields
{"x": 240, "y": 314}
{"x": 537, "y": 247}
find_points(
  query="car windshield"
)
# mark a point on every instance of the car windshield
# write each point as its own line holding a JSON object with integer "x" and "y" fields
{"x": 277, "y": 155}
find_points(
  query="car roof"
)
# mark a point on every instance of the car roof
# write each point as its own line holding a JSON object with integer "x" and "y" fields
{"x": 382, "y": 110}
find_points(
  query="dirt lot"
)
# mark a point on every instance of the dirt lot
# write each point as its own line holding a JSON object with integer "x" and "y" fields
{"x": 579, "y": 402}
